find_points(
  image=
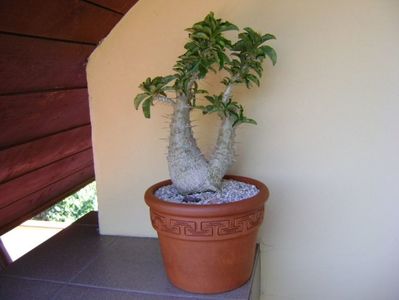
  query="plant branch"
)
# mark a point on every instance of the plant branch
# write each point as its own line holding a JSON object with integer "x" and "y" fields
{"x": 227, "y": 93}
{"x": 229, "y": 89}
{"x": 166, "y": 100}
{"x": 192, "y": 81}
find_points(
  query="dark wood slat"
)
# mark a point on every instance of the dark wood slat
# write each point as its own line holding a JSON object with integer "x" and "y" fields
{"x": 72, "y": 20}
{"x": 27, "y": 117}
{"x": 121, "y": 6}
{"x": 22, "y": 186}
{"x": 25, "y": 158}
{"x": 29, "y": 64}
{"x": 39, "y": 201}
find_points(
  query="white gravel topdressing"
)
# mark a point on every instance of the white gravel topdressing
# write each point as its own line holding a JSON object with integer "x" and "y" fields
{"x": 231, "y": 191}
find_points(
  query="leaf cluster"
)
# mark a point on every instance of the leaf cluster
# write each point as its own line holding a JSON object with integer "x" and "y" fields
{"x": 249, "y": 53}
{"x": 230, "y": 109}
{"x": 207, "y": 50}
{"x": 152, "y": 88}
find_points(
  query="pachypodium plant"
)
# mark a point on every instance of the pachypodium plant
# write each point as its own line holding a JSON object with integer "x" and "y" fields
{"x": 207, "y": 50}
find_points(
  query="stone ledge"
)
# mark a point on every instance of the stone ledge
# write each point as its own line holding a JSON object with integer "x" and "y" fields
{"x": 78, "y": 263}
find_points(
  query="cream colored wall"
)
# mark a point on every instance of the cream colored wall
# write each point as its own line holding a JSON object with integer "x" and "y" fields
{"x": 326, "y": 145}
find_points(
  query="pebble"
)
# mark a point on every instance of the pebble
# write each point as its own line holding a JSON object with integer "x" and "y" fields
{"x": 231, "y": 191}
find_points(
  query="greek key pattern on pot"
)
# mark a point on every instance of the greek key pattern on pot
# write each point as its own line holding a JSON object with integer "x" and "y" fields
{"x": 234, "y": 225}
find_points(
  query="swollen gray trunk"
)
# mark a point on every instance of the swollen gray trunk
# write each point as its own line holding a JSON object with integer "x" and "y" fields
{"x": 223, "y": 155}
{"x": 188, "y": 167}
{"x": 189, "y": 171}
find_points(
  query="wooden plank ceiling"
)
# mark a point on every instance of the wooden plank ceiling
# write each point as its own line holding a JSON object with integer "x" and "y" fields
{"x": 45, "y": 133}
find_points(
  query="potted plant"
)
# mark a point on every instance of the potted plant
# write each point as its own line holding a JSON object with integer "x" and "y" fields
{"x": 207, "y": 248}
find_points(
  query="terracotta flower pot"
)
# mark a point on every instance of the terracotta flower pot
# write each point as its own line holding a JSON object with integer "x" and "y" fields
{"x": 208, "y": 248}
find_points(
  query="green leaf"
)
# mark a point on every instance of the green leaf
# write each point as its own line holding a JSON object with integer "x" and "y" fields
{"x": 210, "y": 19}
{"x": 139, "y": 98}
{"x": 200, "y": 35}
{"x": 203, "y": 28}
{"x": 221, "y": 43}
{"x": 267, "y": 37}
{"x": 199, "y": 91}
{"x": 253, "y": 78}
{"x": 249, "y": 30}
{"x": 191, "y": 46}
{"x": 227, "y": 26}
{"x": 210, "y": 109}
{"x": 167, "y": 79}
{"x": 201, "y": 107}
{"x": 147, "y": 82}
{"x": 157, "y": 80}
{"x": 257, "y": 67}
{"x": 146, "y": 107}
{"x": 244, "y": 120}
{"x": 226, "y": 81}
{"x": 253, "y": 36}
{"x": 239, "y": 45}
{"x": 250, "y": 121}
{"x": 210, "y": 99}
{"x": 221, "y": 57}
{"x": 233, "y": 113}
{"x": 247, "y": 83}
{"x": 270, "y": 52}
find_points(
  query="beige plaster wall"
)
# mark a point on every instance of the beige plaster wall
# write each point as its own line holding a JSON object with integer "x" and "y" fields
{"x": 326, "y": 145}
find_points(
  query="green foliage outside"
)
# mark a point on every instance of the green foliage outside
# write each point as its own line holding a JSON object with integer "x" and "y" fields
{"x": 72, "y": 207}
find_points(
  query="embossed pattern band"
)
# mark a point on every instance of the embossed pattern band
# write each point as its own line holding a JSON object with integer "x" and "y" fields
{"x": 219, "y": 228}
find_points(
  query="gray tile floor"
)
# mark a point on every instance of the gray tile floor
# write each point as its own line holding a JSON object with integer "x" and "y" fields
{"x": 78, "y": 263}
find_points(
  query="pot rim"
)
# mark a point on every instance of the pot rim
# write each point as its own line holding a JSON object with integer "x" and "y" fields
{"x": 210, "y": 210}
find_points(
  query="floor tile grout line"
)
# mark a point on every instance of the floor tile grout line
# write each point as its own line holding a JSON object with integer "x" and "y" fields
{"x": 57, "y": 292}
{"x": 64, "y": 284}
{"x": 91, "y": 261}
{"x": 33, "y": 279}
{"x": 39, "y": 280}
{"x": 126, "y": 290}
{"x": 69, "y": 282}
